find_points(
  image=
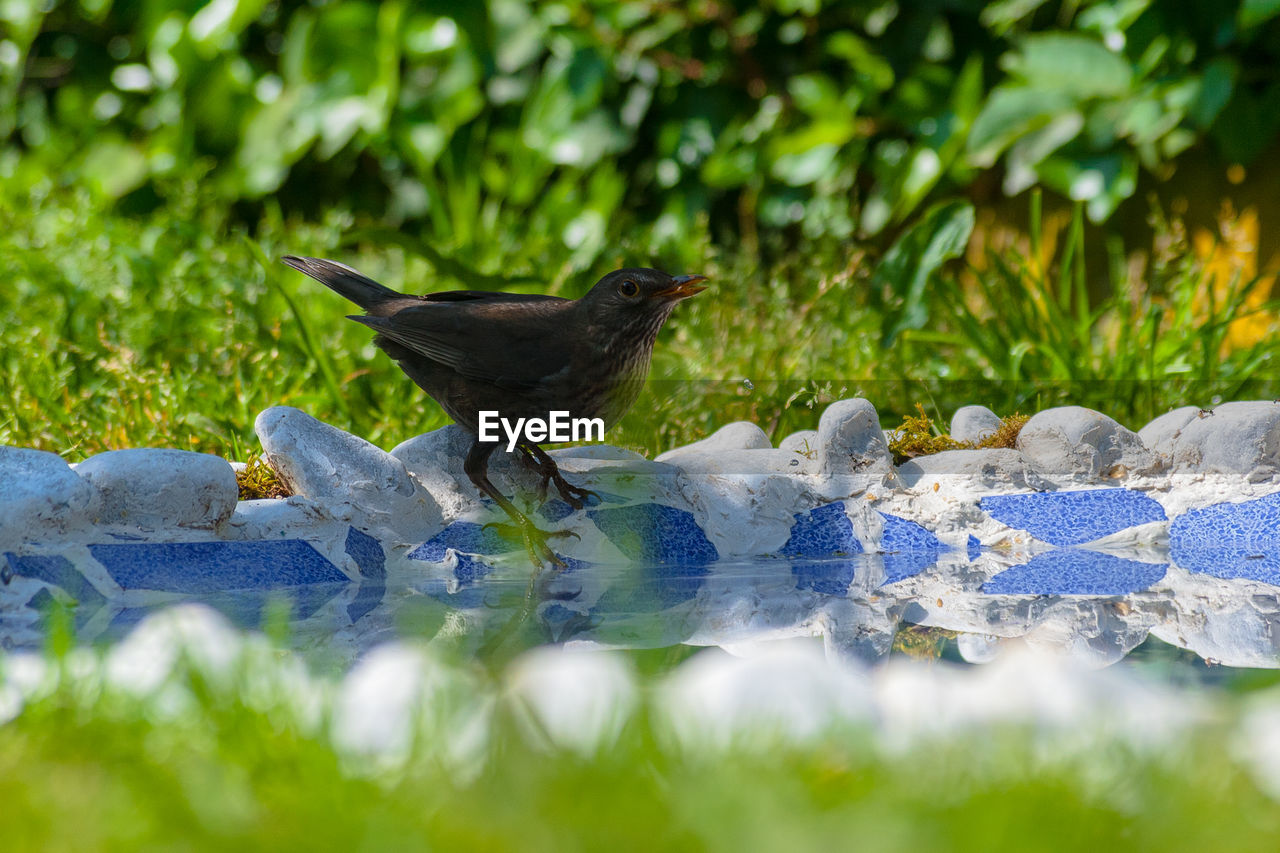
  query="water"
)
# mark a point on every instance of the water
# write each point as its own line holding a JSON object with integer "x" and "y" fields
{"x": 1188, "y": 621}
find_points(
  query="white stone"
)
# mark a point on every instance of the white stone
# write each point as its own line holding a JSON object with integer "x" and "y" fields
{"x": 744, "y": 500}
{"x": 40, "y": 494}
{"x": 974, "y": 423}
{"x": 985, "y": 468}
{"x": 1236, "y": 439}
{"x": 577, "y": 700}
{"x": 804, "y": 442}
{"x": 790, "y": 692}
{"x": 1080, "y": 444}
{"x": 338, "y": 469}
{"x": 850, "y": 440}
{"x": 1160, "y": 433}
{"x": 275, "y": 518}
{"x": 161, "y": 487}
{"x": 740, "y": 435}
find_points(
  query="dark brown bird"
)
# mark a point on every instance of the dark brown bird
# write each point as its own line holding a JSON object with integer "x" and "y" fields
{"x": 521, "y": 355}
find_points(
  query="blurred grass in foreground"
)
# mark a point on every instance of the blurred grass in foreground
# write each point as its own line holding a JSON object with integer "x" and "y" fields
{"x": 234, "y": 743}
{"x": 176, "y": 329}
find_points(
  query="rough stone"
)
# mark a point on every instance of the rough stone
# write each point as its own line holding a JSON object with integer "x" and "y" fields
{"x": 740, "y": 435}
{"x": 435, "y": 459}
{"x": 1160, "y": 433}
{"x": 804, "y": 442}
{"x": 161, "y": 487}
{"x": 974, "y": 423}
{"x": 273, "y": 518}
{"x": 987, "y": 467}
{"x": 850, "y": 441}
{"x": 1083, "y": 445}
{"x": 41, "y": 493}
{"x": 1237, "y": 438}
{"x": 335, "y": 468}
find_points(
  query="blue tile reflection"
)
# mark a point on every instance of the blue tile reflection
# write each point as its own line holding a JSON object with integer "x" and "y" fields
{"x": 1076, "y": 571}
{"x": 908, "y": 548}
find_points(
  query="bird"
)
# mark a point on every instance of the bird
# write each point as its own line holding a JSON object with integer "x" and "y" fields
{"x": 520, "y": 355}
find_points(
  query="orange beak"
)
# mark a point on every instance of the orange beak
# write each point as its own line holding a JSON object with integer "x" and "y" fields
{"x": 684, "y": 287}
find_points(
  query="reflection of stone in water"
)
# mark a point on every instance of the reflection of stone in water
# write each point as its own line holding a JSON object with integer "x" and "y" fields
{"x": 1073, "y": 518}
{"x": 829, "y": 577}
{"x": 1075, "y": 571}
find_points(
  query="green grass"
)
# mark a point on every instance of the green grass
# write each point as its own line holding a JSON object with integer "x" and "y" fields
{"x": 233, "y": 764}
{"x": 175, "y": 328}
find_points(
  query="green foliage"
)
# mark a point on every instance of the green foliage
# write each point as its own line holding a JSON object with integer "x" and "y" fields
{"x": 525, "y": 137}
{"x": 175, "y": 329}
{"x": 243, "y": 756}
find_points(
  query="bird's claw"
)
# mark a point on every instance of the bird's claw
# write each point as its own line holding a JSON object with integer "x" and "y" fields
{"x": 535, "y": 540}
{"x": 575, "y": 496}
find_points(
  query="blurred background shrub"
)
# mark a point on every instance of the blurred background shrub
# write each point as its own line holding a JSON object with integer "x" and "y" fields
{"x": 575, "y": 119}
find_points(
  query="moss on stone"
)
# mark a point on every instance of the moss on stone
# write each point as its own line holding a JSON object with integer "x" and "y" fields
{"x": 259, "y": 480}
{"x": 917, "y": 436}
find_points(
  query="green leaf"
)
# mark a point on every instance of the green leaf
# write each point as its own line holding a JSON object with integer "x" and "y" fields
{"x": 1009, "y": 113}
{"x": 1254, "y": 12}
{"x": 1075, "y": 65}
{"x": 1216, "y": 85}
{"x": 941, "y": 235}
{"x": 114, "y": 167}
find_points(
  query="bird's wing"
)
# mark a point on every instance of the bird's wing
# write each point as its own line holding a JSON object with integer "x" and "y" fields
{"x": 511, "y": 343}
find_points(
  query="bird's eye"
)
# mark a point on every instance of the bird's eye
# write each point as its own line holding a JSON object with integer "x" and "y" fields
{"x": 628, "y": 288}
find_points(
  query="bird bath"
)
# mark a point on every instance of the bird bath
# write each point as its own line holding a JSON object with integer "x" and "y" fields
{"x": 1087, "y": 540}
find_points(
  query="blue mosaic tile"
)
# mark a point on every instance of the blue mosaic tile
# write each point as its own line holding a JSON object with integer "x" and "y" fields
{"x": 1230, "y": 562}
{"x": 43, "y": 600}
{"x": 557, "y": 509}
{"x": 1073, "y": 518}
{"x": 1076, "y": 571}
{"x": 470, "y": 569}
{"x": 822, "y": 532}
{"x": 1251, "y": 523}
{"x": 465, "y": 536}
{"x": 655, "y": 533}
{"x": 56, "y": 571}
{"x": 369, "y": 557}
{"x": 200, "y": 567}
{"x": 974, "y": 548}
{"x": 908, "y": 548}
{"x": 829, "y": 577}
{"x": 1230, "y": 540}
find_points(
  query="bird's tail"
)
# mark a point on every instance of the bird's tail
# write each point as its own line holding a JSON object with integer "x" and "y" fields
{"x": 345, "y": 281}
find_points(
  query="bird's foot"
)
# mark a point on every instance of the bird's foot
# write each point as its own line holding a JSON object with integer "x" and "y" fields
{"x": 574, "y": 496}
{"x": 535, "y": 540}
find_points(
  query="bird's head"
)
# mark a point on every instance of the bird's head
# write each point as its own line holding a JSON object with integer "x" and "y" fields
{"x": 638, "y": 301}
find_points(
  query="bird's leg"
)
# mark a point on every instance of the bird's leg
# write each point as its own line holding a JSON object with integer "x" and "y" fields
{"x": 535, "y": 540}
{"x": 574, "y": 496}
